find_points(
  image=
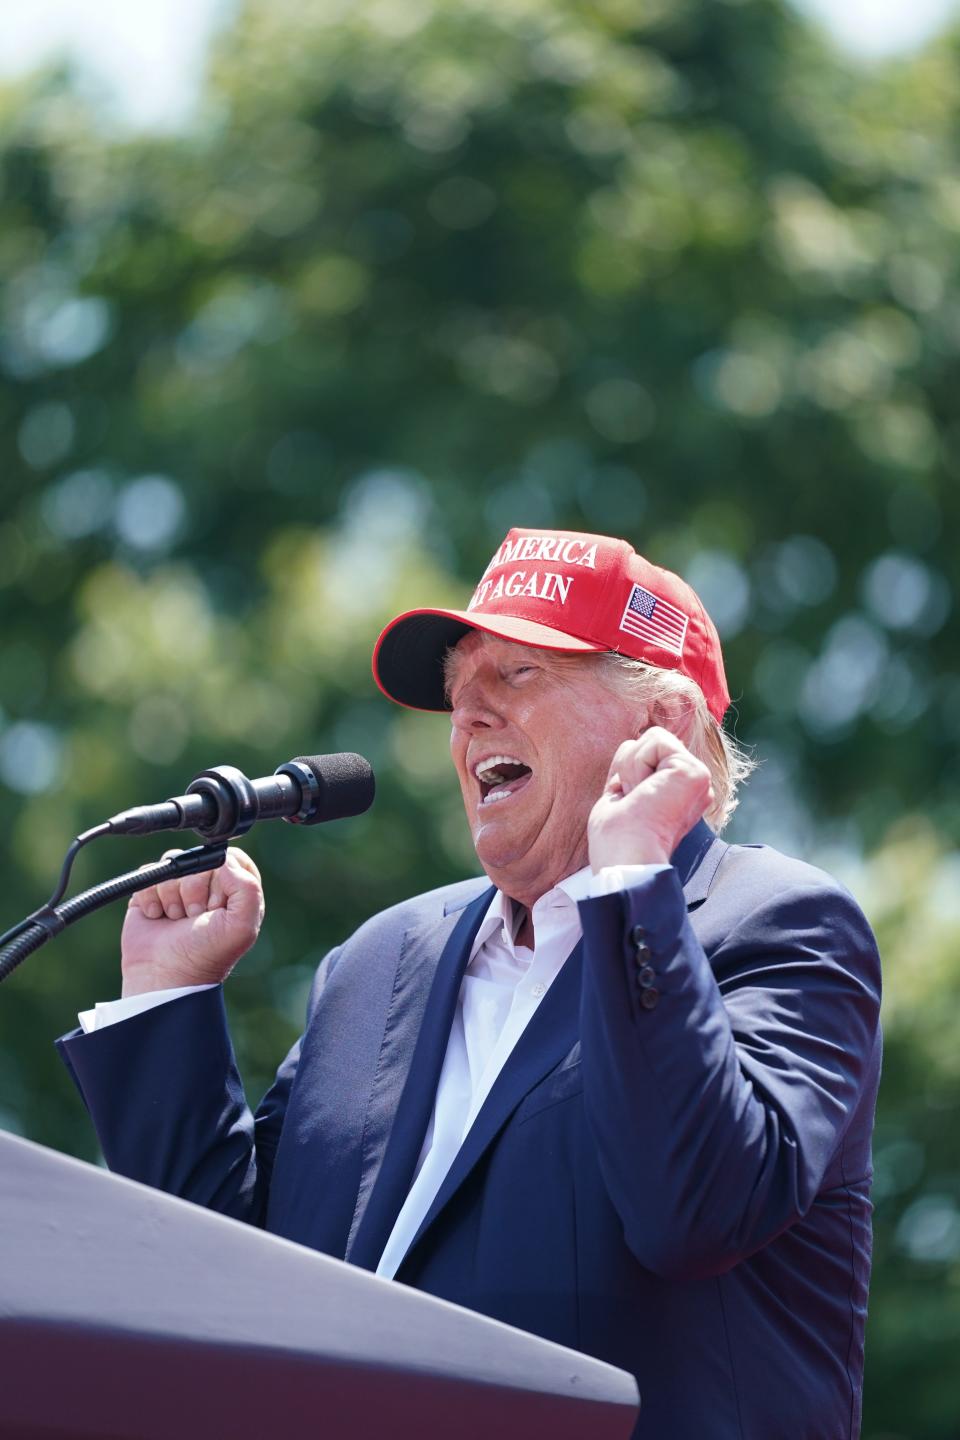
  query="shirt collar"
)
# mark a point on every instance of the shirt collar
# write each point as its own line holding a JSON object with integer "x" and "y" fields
{"x": 575, "y": 886}
{"x": 497, "y": 921}
{"x": 500, "y": 918}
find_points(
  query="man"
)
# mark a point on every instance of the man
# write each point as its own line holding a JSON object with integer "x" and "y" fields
{"x": 624, "y": 1097}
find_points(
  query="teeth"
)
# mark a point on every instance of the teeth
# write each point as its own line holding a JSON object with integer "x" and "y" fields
{"x": 487, "y": 769}
{"x": 497, "y": 795}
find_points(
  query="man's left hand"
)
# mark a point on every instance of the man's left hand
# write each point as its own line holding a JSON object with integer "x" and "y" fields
{"x": 656, "y": 791}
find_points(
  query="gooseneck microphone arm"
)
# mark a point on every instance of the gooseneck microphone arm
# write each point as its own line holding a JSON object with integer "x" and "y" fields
{"x": 51, "y": 920}
{"x": 219, "y": 804}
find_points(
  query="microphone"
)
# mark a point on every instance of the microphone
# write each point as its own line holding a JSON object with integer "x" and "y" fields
{"x": 221, "y": 803}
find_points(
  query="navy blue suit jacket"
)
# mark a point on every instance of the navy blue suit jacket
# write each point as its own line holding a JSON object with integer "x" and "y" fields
{"x": 678, "y": 1183}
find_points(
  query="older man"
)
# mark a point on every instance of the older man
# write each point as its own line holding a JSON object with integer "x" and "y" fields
{"x": 623, "y": 1097}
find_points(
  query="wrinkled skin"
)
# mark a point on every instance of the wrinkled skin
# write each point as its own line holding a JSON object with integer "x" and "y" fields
{"x": 605, "y": 786}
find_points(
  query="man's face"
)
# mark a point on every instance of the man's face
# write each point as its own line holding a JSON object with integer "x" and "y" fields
{"x": 555, "y": 726}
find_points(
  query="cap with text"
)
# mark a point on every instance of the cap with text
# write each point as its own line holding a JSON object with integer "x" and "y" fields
{"x": 560, "y": 590}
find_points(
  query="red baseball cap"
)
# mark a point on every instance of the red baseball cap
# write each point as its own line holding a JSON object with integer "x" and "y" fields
{"x": 560, "y": 590}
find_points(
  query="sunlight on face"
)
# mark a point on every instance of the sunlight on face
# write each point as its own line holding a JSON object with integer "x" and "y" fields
{"x": 541, "y": 728}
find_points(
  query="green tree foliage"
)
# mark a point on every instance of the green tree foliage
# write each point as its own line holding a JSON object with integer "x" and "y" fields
{"x": 423, "y": 271}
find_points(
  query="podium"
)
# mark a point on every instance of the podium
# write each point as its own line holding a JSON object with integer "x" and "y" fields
{"x": 126, "y": 1314}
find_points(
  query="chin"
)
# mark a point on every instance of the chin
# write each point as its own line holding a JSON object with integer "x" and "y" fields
{"x": 496, "y": 857}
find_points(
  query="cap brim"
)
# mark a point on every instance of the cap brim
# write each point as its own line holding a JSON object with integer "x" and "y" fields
{"x": 408, "y": 657}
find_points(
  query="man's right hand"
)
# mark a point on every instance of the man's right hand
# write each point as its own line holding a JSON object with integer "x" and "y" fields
{"x": 192, "y": 931}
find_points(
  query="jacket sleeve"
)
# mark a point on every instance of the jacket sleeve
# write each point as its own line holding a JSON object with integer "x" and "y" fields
{"x": 168, "y": 1106}
{"x": 719, "y": 1091}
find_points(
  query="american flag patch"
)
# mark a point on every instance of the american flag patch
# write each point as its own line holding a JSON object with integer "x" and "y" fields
{"x": 654, "y": 620}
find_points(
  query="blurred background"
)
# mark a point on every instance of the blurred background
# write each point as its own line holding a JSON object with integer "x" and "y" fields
{"x": 303, "y": 305}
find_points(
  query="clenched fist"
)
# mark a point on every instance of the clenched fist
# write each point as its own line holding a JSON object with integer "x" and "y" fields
{"x": 192, "y": 931}
{"x": 656, "y": 791}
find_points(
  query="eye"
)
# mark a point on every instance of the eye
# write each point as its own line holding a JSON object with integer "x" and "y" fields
{"x": 522, "y": 669}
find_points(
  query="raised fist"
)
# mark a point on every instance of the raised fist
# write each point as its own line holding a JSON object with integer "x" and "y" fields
{"x": 656, "y": 791}
{"x": 192, "y": 931}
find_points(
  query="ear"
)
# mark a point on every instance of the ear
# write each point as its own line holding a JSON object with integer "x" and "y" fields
{"x": 675, "y": 713}
{"x": 642, "y": 722}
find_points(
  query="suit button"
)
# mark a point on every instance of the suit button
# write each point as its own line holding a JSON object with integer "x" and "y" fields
{"x": 643, "y": 956}
{"x": 645, "y": 977}
{"x": 638, "y": 934}
{"x": 649, "y": 998}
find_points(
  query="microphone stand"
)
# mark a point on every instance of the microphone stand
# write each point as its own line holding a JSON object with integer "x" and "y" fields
{"x": 232, "y": 812}
{"x": 220, "y": 804}
{"x": 47, "y": 923}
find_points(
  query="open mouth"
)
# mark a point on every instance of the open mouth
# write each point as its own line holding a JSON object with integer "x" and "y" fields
{"x": 500, "y": 777}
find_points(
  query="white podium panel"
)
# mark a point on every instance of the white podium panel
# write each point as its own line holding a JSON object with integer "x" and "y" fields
{"x": 126, "y": 1314}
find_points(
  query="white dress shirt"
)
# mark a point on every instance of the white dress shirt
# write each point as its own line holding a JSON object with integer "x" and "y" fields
{"x": 502, "y": 986}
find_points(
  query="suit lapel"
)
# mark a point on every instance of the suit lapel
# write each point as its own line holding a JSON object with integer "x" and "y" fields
{"x": 408, "y": 1069}
{"x": 550, "y": 1035}
{"x": 695, "y": 860}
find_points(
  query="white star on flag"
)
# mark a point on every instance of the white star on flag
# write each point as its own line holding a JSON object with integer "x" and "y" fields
{"x": 650, "y": 618}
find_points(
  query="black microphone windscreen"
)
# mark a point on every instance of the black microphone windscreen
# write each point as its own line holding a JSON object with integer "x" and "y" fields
{"x": 347, "y": 785}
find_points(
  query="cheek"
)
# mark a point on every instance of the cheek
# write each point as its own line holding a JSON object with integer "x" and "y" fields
{"x": 590, "y": 763}
{"x": 457, "y": 755}
{"x": 527, "y": 713}
{"x": 464, "y": 782}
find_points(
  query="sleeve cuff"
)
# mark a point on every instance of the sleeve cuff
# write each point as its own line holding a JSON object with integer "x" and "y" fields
{"x": 621, "y": 877}
{"x": 111, "y": 1012}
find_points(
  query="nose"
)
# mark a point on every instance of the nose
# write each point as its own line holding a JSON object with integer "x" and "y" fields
{"x": 475, "y": 708}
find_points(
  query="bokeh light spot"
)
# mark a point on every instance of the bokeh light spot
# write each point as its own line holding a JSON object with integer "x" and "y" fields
{"x": 748, "y": 385}
{"x": 159, "y": 728}
{"x": 621, "y": 410}
{"x": 846, "y": 677}
{"x": 76, "y": 330}
{"x": 46, "y": 434}
{"x": 724, "y": 589}
{"x": 149, "y": 512}
{"x": 806, "y": 571}
{"x": 78, "y": 504}
{"x": 31, "y": 756}
{"x": 905, "y": 594}
{"x": 929, "y": 1230}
